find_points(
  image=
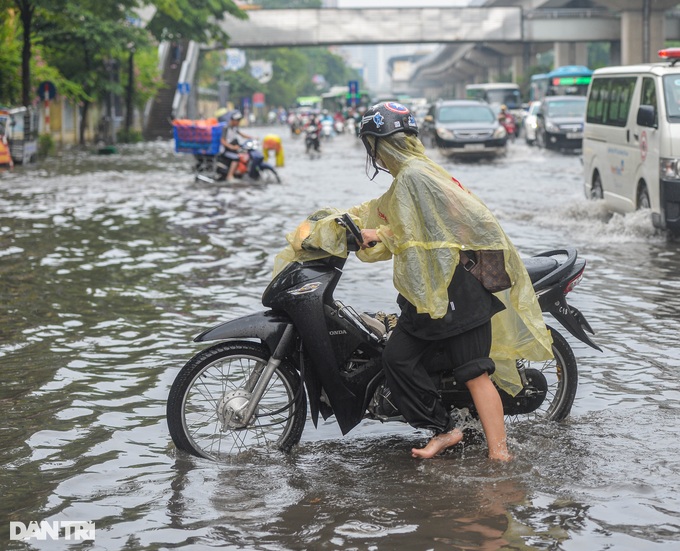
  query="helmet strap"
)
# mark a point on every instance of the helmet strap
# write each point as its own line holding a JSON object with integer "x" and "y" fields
{"x": 372, "y": 156}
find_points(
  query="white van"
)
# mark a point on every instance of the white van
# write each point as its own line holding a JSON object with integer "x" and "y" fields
{"x": 631, "y": 141}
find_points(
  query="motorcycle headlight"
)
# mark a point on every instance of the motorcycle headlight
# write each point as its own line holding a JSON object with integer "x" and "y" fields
{"x": 670, "y": 169}
{"x": 444, "y": 133}
{"x": 499, "y": 133}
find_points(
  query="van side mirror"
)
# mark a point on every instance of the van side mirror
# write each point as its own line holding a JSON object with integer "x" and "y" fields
{"x": 646, "y": 116}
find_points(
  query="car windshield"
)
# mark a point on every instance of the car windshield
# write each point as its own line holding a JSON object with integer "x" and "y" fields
{"x": 466, "y": 113}
{"x": 567, "y": 108}
{"x": 671, "y": 87}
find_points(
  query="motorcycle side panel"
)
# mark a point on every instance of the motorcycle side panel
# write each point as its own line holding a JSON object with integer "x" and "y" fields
{"x": 267, "y": 326}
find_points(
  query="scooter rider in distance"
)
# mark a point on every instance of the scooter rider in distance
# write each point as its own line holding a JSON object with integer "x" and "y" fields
{"x": 427, "y": 222}
{"x": 230, "y": 141}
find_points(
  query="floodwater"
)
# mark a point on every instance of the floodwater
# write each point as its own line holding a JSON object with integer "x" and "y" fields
{"x": 110, "y": 265}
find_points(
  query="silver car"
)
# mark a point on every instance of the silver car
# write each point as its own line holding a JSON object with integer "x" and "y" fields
{"x": 529, "y": 122}
{"x": 464, "y": 128}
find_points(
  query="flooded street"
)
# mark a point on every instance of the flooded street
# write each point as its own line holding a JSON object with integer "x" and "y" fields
{"x": 110, "y": 265}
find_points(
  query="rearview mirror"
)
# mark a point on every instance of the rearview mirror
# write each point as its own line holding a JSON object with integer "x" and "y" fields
{"x": 646, "y": 116}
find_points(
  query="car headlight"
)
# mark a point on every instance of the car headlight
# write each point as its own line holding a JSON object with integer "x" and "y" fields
{"x": 670, "y": 169}
{"x": 444, "y": 133}
{"x": 552, "y": 128}
{"x": 499, "y": 133}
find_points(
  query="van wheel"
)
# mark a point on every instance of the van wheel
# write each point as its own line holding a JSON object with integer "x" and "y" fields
{"x": 643, "y": 198}
{"x": 596, "y": 188}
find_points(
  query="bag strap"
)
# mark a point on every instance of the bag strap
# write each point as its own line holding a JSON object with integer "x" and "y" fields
{"x": 468, "y": 259}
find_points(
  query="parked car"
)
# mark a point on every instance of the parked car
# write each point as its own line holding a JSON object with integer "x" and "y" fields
{"x": 560, "y": 122}
{"x": 464, "y": 128}
{"x": 529, "y": 122}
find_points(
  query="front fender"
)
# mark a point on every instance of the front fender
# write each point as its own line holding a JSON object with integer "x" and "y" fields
{"x": 267, "y": 326}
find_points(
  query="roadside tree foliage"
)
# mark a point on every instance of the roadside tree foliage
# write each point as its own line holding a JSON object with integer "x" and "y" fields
{"x": 81, "y": 45}
{"x": 293, "y": 73}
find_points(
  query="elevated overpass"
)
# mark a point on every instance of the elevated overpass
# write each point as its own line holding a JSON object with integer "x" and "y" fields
{"x": 344, "y": 27}
{"x": 478, "y": 42}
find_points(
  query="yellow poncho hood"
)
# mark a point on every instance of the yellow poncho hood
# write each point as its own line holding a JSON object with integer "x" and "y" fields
{"x": 424, "y": 220}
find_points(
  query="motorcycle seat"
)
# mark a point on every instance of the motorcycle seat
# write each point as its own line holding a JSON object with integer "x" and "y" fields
{"x": 539, "y": 267}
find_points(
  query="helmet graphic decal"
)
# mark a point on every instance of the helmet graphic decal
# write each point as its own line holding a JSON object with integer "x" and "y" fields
{"x": 396, "y": 107}
{"x": 377, "y": 119}
{"x": 411, "y": 121}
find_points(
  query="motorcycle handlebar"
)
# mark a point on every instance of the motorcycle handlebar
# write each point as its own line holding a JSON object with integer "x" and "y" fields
{"x": 346, "y": 221}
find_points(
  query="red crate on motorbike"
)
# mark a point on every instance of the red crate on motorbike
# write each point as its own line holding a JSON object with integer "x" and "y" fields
{"x": 197, "y": 137}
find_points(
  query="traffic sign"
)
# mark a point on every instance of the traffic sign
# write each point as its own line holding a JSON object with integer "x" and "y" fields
{"x": 47, "y": 90}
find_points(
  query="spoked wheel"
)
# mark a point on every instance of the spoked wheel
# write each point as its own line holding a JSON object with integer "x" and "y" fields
{"x": 269, "y": 176}
{"x": 557, "y": 377}
{"x": 214, "y": 387}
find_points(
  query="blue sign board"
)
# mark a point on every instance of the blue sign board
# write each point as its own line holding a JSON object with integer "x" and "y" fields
{"x": 353, "y": 96}
{"x": 47, "y": 90}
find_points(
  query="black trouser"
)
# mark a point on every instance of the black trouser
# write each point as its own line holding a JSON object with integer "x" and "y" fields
{"x": 413, "y": 391}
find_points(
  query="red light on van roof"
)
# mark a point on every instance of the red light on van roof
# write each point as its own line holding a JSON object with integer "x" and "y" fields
{"x": 670, "y": 53}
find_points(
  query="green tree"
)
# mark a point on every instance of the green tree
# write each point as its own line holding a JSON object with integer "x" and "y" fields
{"x": 27, "y": 11}
{"x": 288, "y": 4}
{"x": 10, "y": 58}
{"x": 197, "y": 20}
{"x": 85, "y": 41}
{"x": 294, "y": 69}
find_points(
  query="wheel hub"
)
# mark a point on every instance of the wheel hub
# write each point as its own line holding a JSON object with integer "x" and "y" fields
{"x": 231, "y": 408}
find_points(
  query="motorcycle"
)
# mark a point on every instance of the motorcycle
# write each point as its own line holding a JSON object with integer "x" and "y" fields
{"x": 253, "y": 388}
{"x": 312, "y": 140}
{"x": 508, "y": 122}
{"x": 327, "y": 129}
{"x": 251, "y": 166}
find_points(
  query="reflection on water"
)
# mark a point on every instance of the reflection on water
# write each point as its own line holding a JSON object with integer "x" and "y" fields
{"x": 110, "y": 265}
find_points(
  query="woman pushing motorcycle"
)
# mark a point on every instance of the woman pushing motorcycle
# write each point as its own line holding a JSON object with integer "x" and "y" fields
{"x": 431, "y": 226}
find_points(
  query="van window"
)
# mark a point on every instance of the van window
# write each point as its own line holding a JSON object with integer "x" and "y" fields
{"x": 609, "y": 100}
{"x": 671, "y": 88}
{"x": 648, "y": 96}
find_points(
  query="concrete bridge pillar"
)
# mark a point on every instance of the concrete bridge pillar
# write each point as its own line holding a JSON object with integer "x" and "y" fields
{"x": 570, "y": 53}
{"x": 642, "y": 28}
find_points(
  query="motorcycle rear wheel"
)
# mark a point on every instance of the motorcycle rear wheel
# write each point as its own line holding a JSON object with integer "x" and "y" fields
{"x": 215, "y": 378}
{"x": 561, "y": 374}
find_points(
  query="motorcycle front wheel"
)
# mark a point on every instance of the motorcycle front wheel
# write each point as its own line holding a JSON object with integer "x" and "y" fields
{"x": 269, "y": 176}
{"x": 214, "y": 383}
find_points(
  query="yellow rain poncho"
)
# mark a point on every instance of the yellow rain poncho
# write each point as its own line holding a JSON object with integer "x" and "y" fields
{"x": 424, "y": 220}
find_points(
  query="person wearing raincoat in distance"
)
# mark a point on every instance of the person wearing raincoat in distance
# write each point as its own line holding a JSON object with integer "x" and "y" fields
{"x": 426, "y": 222}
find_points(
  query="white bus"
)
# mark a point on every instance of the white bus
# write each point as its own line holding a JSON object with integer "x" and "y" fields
{"x": 631, "y": 141}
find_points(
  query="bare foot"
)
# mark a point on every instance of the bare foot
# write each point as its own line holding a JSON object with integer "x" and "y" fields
{"x": 501, "y": 453}
{"x": 438, "y": 444}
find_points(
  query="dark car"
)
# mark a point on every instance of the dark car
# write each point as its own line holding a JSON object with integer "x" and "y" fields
{"x": 464, "y": 128}
{"x": 559, "y": 122}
